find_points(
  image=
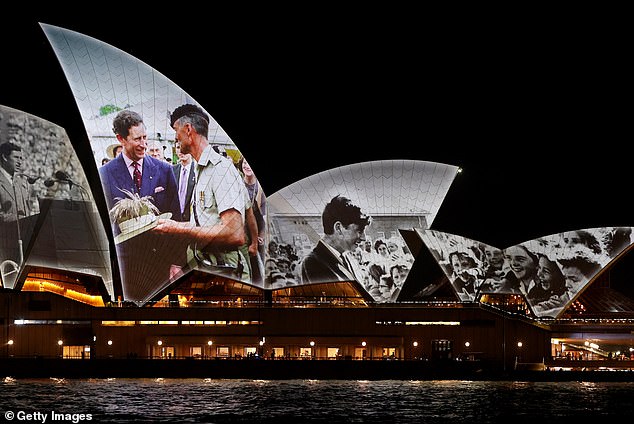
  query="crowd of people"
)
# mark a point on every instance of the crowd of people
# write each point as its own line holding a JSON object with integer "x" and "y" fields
{"x": 343, "y": 253}
{"x": 281, "y": 265}
{"x": 549, "y": 271}
{"x": 382, "y": 267}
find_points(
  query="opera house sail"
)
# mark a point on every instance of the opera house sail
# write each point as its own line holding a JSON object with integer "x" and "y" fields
{"x": 48, "y": 217}
{"x": 549, "y": 272}
{"x": 127, "y": 106}
{"x": 352, "y": 224}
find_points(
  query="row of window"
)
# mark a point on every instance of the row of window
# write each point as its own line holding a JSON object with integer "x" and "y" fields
{"x": 129, "y": 323}
{"x": 184, "y": 322}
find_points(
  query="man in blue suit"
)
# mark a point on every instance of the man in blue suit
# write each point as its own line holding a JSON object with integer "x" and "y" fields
{"x": 156, "y": 176}
{"x": 146, "y": 262}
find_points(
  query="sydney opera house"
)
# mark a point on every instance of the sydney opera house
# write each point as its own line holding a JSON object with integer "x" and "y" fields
{"x": 344, "y": 264}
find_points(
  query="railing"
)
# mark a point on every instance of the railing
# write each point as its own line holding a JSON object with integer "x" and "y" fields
{"x": 588, "y": 365}
{"x": 327, "y": 302}
{"x": 216, "y": 358}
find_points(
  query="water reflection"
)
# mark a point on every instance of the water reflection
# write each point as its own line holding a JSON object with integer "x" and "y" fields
{"x": 216, "y": 400}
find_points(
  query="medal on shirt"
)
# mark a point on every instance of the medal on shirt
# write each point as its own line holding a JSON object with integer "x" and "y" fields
{"x": 201, "y": 199}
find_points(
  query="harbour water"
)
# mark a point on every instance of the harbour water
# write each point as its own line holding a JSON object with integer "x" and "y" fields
{"x": 274, "y": 401}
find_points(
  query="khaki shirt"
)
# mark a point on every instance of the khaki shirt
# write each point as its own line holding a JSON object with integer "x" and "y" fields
{"x": 219, "y": 187}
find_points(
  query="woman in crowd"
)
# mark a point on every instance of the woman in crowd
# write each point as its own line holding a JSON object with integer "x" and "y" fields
{"x": 550, "y": 288}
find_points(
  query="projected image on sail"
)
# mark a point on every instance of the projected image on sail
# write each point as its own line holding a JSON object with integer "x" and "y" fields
{"x": 150, "y": 139}
{"x": 47, "y": 215}
{"x": 345, "y": 224}
{"x": 550, "y": 272}
{"x": 565, "y": 264}
{"x": 470, "y": 266}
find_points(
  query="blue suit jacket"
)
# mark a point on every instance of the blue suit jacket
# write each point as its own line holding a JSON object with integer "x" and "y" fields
{"x": 156, "y": 174}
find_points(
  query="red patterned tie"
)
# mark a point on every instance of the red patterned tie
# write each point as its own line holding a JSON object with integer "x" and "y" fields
{"x": 137, "y": 176}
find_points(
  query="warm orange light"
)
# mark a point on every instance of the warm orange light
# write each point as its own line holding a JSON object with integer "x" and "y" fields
{"x": 51, "y": 287}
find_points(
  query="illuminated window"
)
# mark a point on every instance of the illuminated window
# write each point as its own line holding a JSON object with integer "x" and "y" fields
{"x": 118, "y": 323}
{"x": 76, "y": 352}
{"x": 389, "y": 352}
{"x": 49, "y": 322}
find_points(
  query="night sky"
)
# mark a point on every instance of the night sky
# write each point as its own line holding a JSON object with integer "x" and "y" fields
{"x": 535, "y": 116}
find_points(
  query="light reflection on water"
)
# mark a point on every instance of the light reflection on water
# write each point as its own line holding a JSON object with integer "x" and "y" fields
{"x": 210, "y": 400}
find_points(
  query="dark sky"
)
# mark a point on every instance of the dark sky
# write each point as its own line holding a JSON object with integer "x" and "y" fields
{"x": 536, "y": 117}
